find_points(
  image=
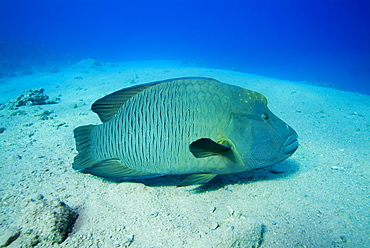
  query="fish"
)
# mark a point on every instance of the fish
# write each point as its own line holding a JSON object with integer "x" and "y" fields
{"x": 196, "y": 126}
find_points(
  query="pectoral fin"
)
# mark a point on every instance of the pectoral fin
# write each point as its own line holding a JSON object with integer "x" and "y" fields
{"x": 202, "y": 148}
{"x": 196, "y": 179}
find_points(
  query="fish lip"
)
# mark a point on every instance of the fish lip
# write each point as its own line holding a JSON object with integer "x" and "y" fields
{"x": 290, "y": 145}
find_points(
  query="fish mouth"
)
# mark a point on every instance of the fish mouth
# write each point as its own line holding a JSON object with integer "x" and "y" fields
{"x": 290, "y": 145}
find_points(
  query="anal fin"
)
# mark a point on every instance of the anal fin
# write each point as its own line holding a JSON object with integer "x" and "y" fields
{"x": 113, "y": 169}
{"x": 196, "y": 179}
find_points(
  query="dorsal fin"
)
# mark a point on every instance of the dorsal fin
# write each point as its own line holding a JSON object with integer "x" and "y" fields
{"x": 108, "y": 106}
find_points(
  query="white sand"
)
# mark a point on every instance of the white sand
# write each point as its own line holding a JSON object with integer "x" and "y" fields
{"x": 317, "y": 198}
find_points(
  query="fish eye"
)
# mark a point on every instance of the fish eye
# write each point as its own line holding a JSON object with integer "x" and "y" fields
{"x": 265, "y": 116}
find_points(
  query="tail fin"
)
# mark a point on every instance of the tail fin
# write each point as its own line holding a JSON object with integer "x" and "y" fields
{"x": 83, "y": 159}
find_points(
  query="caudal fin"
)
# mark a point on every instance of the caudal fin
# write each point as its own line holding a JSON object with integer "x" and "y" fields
{"x": 83, "y": 159}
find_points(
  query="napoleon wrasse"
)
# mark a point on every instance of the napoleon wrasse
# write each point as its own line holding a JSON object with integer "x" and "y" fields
{"x": 196, "y": 126}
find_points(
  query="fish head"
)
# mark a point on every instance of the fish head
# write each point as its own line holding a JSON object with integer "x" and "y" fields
{"x": 260, "y": 137}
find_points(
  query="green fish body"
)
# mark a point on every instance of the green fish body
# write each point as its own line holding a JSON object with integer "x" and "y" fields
{"x": 196, "y": 126}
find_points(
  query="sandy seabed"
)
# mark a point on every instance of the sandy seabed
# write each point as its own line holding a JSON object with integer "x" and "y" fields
{"x": 319, "y": 197}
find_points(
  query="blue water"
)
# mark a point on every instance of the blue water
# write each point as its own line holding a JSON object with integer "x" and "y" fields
{"x": 320, "y": 41}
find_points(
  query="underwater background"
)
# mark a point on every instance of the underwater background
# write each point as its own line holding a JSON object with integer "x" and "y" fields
{"x": 324, "y": 42}
{"x": 58, "y": 57}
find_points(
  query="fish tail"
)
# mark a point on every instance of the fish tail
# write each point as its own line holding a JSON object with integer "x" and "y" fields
{"x": 109, "y": 168}
{"x": 83, "y": 159}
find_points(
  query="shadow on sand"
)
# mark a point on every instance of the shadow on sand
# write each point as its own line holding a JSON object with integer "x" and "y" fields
{"x": 283, "y": 170}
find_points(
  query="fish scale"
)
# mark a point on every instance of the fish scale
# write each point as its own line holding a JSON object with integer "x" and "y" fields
{"x": 150, "y": 143}
{"x": 157, "y": 156}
